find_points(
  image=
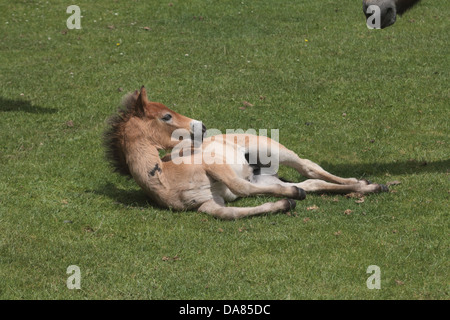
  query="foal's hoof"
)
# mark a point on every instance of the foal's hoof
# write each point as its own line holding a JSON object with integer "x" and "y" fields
{"x": 289, "y": 204}
{"x": 292, "y": 204}
{"x": 301, "y": 194}
{"x": 380, "y": 188}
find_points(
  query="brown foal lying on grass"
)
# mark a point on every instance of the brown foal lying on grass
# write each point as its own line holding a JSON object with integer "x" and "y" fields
{"x": 203, "y": 175}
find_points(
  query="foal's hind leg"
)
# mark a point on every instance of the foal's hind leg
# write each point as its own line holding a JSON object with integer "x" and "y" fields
{"x": 244, "y": 188}
{"x": 257, "y": 145}
{"x": 320, "y": 186}
{"x": 312, "y": 170}
{"x": 216, "y": 207}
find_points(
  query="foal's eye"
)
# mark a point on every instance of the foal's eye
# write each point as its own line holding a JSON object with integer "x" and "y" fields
{"x": 167, "y": 117}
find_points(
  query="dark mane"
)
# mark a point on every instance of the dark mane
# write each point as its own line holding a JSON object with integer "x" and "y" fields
{"x": 112, "y": 137}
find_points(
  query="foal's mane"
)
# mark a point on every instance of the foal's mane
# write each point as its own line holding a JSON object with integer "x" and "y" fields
{"x": 113, "y": 136}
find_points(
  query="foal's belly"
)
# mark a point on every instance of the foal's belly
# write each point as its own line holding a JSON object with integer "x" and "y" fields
{"x": 220, "y": 189}
{"x": 234, "y": 157}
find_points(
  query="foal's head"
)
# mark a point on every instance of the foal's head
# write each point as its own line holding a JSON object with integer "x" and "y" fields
{"x": 145, "y": 120}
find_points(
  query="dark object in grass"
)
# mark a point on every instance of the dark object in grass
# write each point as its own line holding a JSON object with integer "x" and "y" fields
{"x": 389, "y": 9}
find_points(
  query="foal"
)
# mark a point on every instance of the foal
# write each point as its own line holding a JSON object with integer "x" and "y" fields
{"x": 178, "y": 181}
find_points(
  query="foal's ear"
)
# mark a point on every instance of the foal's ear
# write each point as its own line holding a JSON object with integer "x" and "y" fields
{"x": 141, "y": 101}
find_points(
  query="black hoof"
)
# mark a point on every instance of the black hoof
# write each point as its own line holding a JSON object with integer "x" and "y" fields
{"x": 301, "y": 194}
{"x": 292, "y": 204}
{"x": 384, "y": 188}
{"x": 289, "y": 204}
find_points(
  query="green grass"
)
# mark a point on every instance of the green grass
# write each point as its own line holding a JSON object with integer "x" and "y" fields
{"x": 362, "y": 103}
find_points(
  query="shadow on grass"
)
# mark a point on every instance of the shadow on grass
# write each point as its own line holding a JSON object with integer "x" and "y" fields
{"x": 393, "y": 168}
{"x": 8, "y": 105}
{"x": 127, "y": 198}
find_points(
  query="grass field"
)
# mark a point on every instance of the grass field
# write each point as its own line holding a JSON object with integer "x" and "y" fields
{"x": 362, "y": 103}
